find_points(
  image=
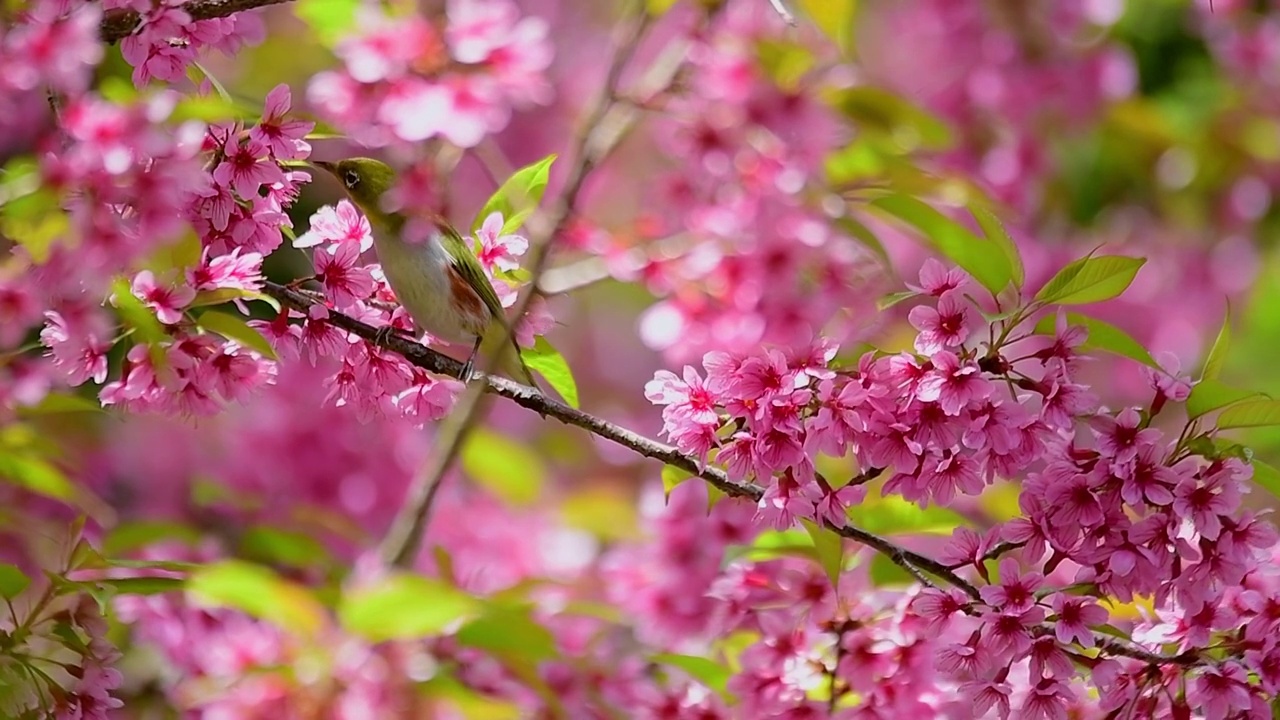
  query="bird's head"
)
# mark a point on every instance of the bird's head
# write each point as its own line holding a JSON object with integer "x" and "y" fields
{"x": 365, "y": 180}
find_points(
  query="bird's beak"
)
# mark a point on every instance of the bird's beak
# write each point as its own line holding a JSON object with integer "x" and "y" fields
{"x": 332, "y": 168}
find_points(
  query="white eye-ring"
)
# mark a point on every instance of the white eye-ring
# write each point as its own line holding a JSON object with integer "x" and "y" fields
{"x": 351, "y": 178}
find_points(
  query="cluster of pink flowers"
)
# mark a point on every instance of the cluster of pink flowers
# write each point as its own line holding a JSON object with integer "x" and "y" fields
{"x": 1119, "y": 509}
{"x": 167, "y": 41}
{"x": 742, "y": 257}
{"x": 411, "y": 79}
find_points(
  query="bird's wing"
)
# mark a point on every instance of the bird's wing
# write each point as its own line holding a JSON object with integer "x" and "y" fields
{"x": 468, "y": 266}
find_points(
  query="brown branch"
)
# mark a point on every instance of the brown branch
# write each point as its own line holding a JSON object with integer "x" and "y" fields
{"x": 120, "y": 24}
{"x": 403, "y": 539}
{"x": 533, "y": 399}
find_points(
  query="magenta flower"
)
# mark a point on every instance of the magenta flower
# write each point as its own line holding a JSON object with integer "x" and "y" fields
{"x": 497, "y": 250}
{"x": 1220, "y": 689}
{"x": 954, "y": 384}
{"x": 937, "y": 280}
{"x": 987, "y": 695}
{"x": 245, "y": 169}
{"x": 946, "y": 326}
{"x": 345, "y": 283}
{"x": 341, "y": 224}
{"x": 76, "y": 350}
{"x": 283, "y": 138}
{"x": 168, "y": 301}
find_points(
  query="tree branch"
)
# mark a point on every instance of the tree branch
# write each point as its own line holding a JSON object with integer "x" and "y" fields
{"x": 120, "y": 24}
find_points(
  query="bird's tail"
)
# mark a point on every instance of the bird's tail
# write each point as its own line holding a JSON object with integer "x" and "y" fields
{"x": 510, "y": 362}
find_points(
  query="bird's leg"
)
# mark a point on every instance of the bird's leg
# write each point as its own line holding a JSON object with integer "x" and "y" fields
{"x": 383, "y": 335}
{"x": 470, "y": 365}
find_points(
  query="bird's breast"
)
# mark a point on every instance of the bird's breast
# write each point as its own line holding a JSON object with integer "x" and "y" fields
{"x": 421, "y": 277}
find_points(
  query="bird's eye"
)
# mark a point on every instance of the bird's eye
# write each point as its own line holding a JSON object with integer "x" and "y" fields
{"x": 351, "y": 178}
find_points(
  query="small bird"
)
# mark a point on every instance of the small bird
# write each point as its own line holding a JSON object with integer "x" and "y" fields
{"x": 439, "y": 281}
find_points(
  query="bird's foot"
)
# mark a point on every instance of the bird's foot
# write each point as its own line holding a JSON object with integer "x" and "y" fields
{"x": 384, "y": 333}
{"x": 468, "y": 370}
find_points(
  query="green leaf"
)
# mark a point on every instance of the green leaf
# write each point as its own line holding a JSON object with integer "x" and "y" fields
{"x": 1102, "y": 336}
{"x": 404, "y": 606}
{"x": 234, "y": 328}
{"x": 892, "y": 515}
{"x": 1218, "y": 353}
{"x": 147, "y": 329}
{"x": 12, "y": 581}
{"x": 259, "y": 592}
{"x": 981, "y": 258}
{"x": 518, "y": 196}
{"x": 863, "y": 234}
{"x": 32, "y": 217}
{"x": 603, "y": 511}
{"x": 510, "y": 632}
{"x": 36, "y": 475}
{"x": 659, "y": 7}
{"x": 883, "y": 572}
{"x": 995, "y": 232}
{"x": 772, "y": 544}
{"x": 210, "y": 109}
{"x": 830, "y": 550}
{"x": 282, "y": 547}
{"x": 671, "y": 477}
{"x": 222, "y": 295}
{"x": 907, "y": 126}
{"x": 1251, "y": 413}
{"x": 834, "y": 18}
{"x": 1267, "y": 477}
{"x": 56, "y": 403}
{"x": 130, "y": 536}
{"x": 331, "y": 20}
{"x": 1090, "y": 280}
{"x": 785, "y": 62}
{"x": 545, "y": 360}
{"x": 511, "y": 470}
{"x": 1209, "y": 395}
{"x": 711, "y": 674}
{"x": 139, "y": 585}
{"x": 892, "y": 299}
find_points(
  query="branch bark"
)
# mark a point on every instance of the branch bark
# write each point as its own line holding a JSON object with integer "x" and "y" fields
{"x": 120, "y": 24}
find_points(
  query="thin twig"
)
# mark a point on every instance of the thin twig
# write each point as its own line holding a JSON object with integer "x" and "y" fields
{"x": 402, "y": 542}
{"x": 120, "y": 24}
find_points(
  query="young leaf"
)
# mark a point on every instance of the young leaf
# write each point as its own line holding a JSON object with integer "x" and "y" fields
{"x": 545, "y": 360}
{"x": 511, "y": 470}
{"x": 36, "y": 475}
{"x": 259, "y": 592}
{"x": 1218, "y": 353}
{"x": 834, "y": 18}
{"x": 329, "y": 19}
{"x": 133, "y": 535}
{"x": 282, "y": 547}
{"x": 995, "y": 232}
{"x": 1091, "y": 280}
{"x": 12, "y": 581}
{"x": 518, "y": 196}
{"x": 830, "y": 550}
{"x": 222, "y": 295}
{"x": 891, "y": 515}
{"x": 708, "y": 672}
{"x": 671, "y": 477}
{"x": 232, "y": 327}
{"x": 658, "y": 7}
{"x": 602, "y": 511}
{"x": 1266, "y": 477}
{"x": 404, "y": 606}
{"x": 57, "y": 403}
{"x": 1102, "y": 336}
{"x": 981, "y": 258}
{"x": 1251, "y": 413}
{"x": 511, "y": 633}
{"x": 147, "y": 329}
{"x": 1209, "y": 395}
{"x": 884, "y": 573}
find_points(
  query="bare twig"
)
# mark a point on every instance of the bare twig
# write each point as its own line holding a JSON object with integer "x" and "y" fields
{"x": 120, "y": 24}
{"x": 402, "y": 542}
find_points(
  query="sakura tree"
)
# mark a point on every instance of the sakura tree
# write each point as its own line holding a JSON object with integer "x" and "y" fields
{"x": 895, "y": 359}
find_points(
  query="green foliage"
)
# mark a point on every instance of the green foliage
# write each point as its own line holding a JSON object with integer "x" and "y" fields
{"x": 277, "y": 546}
{"x": 146, "y": 327}
{"x": 985, "y": 260}
{"x": 604, "y": 511}
{"x": 130, "y": 536}
{"x": 513, "y": 471}
{"x": 211, "y": 109}
{"x": 884, "y": 573}
{"x": 671, "y": 477}
{"x": 996, "y": 233}
{"x": 1218, "y": 353}
{"x": 1091, "y": 279}
{"x": 234, "y": 328}
{"x": 659, "y": 7}
{"x": 259, "y": 592}
{"x": 518, "y": 197}
{"x": 834, "y": 17}
{"x": 892, "y": 515}
{"x": 30, "y": 214}
{"x": 12, "y": 581}
{"x": 23, "y": 462}
{"x": 1266, "y": 477}
{"x": 545, "y": 360}
{"x": 1209, "y": 395}
{"x": 330, "y": 20}
{"x": 58, "y": 403}
{"x": 1102, "y": 336}
{"x": 829, "y": 548}
{"x": 711, "y": 674}
{"x": 403, "y": 606}
{"x": 891, "y": 117}
{"x": 1250, "y": 413}
{"x": 222, "y": 295}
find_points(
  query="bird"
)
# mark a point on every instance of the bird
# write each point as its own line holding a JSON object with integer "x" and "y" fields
{"x": 439, "y": 281}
